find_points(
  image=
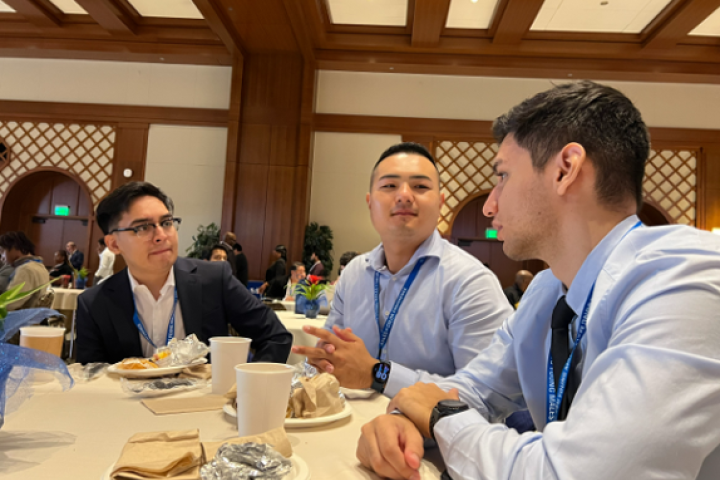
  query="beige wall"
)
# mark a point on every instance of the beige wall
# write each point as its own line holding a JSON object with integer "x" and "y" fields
{"x": 188, "y": 164}
{"x": 117, "y": 83}
{"x": 484, "y": 98}
{"x": 340, "y": 180}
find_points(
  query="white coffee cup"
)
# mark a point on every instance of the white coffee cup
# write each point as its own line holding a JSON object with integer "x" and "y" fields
{"x": 263, "y": 391}
{"x": 225, "y": 353}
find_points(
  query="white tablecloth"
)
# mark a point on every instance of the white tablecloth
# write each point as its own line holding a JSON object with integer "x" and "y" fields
{"x": 294, "y": 323}
{"x": 78, "y": 434}
{"x": 66, "y": 298}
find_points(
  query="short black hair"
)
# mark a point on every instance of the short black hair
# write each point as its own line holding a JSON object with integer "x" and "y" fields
{"x": 296, "y": 265}
{"x": 237, "y": 247}
{"x": 404, "y": 147}
{"x": 112, "y": 207}
{"x": 217, "y": 246}
{"x": 346, "y": 257}
{"x": 282, "y": 250}
{"x": 600, "y": 118}
{"x": 18, "y": 241}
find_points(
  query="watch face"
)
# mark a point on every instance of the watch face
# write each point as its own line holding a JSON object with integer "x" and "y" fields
{"x": 382, "y": 370}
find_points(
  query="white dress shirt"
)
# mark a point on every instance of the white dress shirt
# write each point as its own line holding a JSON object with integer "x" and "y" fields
{"x": 155, "y": 314}
{"x": 648, "y": 405}
{"x": 449, "y": 315}
{"x": 107, "y": 261}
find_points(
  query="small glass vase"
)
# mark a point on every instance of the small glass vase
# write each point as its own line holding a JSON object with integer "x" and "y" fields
{"x": 311, "y": 310}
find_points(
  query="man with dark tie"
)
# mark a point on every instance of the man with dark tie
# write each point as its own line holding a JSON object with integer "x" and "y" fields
{"x": 613, "y": 349}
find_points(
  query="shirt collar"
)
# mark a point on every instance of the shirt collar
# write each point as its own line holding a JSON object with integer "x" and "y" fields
{"x": 431, "y": 247}
{"x": 170, "y": 282}
{"x": 579, "y": 291}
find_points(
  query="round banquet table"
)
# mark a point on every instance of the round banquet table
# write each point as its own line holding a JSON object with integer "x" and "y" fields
{"x": 78, "y": 434}
{"x": 294, "y": 323}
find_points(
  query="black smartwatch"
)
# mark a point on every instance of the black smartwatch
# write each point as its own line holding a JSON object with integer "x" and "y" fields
{"x": 380, "y": 375}
{"x": 443, "y": 409}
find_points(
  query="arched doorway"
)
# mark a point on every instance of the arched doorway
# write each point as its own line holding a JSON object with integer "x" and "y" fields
{"x": 52, "y": 208}
{"x": 468, "y": 232}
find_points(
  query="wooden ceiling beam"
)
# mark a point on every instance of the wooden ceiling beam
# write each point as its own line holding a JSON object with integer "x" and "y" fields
{"x": 680, "y": 23}
{"x": 109, "y": 15}
{"x": 222, "y": 25}
{"x": 429, "y": 19}
{"x": 516, "y": 20}
{"x": 303, "y": 33}
{"x": 39, "y": 13}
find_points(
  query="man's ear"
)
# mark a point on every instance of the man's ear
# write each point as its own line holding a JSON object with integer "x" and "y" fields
{"x": 111, "y": 243}
{"x": 567, "y": 165}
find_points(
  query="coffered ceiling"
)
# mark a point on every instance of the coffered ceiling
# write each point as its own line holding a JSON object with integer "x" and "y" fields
{"x": 649, "y": 40}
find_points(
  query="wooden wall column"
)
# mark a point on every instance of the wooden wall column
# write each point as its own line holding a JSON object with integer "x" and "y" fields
{"x": 271, "y": 186}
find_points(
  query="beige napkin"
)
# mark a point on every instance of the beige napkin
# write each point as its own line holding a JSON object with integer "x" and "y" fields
{"x": 277, "y": 438}
{"x": 164, "y": 406}
{"x": 203, "y": 372}
{"x": 318, "y": 397}
{"x": 232, "y": 393}
{"x": 174, "y": 455}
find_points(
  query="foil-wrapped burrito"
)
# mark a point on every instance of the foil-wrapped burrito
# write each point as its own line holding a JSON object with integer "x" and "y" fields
{"x": 245, "y": 462}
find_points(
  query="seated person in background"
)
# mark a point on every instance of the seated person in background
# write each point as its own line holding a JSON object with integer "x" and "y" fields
{"x": 433, "y": 307}
{"x": 614, "y": 349}
{"x": 218, "y": 253}
{"x": 17, "y": 250}
{"x": 62, "y": 266}
{"x": 277, "y": 269}
{"x": 107, "y": 262}
{"x": 241, "y": 264}
{"x": 160, "y": 296}
{"x": 317, "y": 269}
{"x": 515, "y": 292}
{"x": 228, "y": 242}
{"x": 5, "y": 272}
{"x": 344, "y": 260}
{"x": 284, "y": 287}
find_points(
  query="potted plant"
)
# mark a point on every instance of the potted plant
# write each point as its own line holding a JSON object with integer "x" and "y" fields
{"x": 310, "y": 289}
{"x": 81, "y": 278}
{"x": 203, "y": 241}
{"x": 318, "y": 239}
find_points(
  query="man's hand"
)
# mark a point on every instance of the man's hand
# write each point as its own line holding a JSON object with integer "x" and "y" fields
{"x": 392, "y": 447}
{"x": 343, "y": 354}
{"x": 263, "y": 287}
{"x": 417, "y": 403}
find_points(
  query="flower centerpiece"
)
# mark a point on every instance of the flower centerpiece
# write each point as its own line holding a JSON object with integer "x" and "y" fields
{"x": 311, "y": 288}
{"x": 81, "y": 277}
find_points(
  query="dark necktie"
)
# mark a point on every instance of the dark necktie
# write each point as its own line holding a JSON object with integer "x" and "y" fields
{"x": 562, "y": 316}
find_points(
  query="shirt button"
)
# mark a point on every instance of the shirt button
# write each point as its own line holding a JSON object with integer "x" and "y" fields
{"x": 387, "y": 313}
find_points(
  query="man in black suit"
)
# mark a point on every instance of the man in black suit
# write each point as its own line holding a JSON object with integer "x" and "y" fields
{"x": 77, "y": 258}
{"x": 241, "y": 264}
{"x": 160, "y": 296}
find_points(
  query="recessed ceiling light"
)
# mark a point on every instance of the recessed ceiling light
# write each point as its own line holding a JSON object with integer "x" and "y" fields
{"x": 474, "y": 1}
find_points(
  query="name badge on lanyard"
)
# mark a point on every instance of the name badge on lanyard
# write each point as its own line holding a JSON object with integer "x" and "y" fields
{"x": 390, "y": 320}
{"x": 171, "y": 323}
{"x": 555, "y": 394}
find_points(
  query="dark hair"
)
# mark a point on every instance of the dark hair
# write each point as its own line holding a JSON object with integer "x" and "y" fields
{"x": 404, "y": 147}
{"x": 282, "y": 251}
{"x": 346, "y": 257}
{"x": 18, "y": 241}
{"x": 296, "y": 265}
{"x": 101, "y": 242}
{"x": 66, "y": 258}
{"x": 217, "y": 246}
{"x": 112, "y": 207}
{"x": 598, "y": 117}
{"x": 237, "y": 247}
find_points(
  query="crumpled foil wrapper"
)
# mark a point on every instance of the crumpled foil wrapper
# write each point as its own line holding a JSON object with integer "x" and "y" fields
{"x": 91, "y": 371}
{"x": 245, "y": 462}
{"x": 181, "y": 352}
{"x": 157, "y": 387}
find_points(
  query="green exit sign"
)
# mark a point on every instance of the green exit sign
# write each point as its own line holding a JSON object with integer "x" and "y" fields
{"x": 62, "y": 210}
{"x": 491, "y": 233}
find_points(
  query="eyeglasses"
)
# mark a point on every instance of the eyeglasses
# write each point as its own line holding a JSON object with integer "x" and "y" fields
{"x": 147, "y": 229}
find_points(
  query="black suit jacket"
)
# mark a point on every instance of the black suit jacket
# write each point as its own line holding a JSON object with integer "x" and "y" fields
{"x": 77, "y": 259}
{"x": 241, "y": 268}
{"x": 210, "y": 298}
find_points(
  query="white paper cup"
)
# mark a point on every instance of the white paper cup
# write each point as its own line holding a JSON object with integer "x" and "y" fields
{"x": 225, "y": 353}
{"x": 47, "y": 339}
{"x": 263, "y": 391}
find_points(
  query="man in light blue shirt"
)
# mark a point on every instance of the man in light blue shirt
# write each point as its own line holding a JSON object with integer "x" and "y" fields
{"x": 437, "y": 306}
{"x": 614, "y": 350}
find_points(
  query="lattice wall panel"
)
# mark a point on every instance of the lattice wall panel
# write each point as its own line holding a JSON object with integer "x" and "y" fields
{"x": 465, "y": 169}
{"x": 670, "y": 181}
{"x": 85, "y": 150}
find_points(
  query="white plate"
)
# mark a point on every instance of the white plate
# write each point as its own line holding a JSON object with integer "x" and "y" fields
{"x": 354, "y": 394}
{"x": 300, "y": 470}
{"x": 153, "y": 372}
{"x": 302, "y": 422}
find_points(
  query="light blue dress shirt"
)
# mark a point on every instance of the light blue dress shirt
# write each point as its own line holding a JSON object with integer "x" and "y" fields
{"x": 648, "y": 406}
{"x": 450, "y": 313}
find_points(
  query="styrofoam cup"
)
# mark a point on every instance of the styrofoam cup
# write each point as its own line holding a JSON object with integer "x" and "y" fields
{"x": 47, "y": 339}
{"x": 225, "y": 353}
{"x": 263, "y": 391}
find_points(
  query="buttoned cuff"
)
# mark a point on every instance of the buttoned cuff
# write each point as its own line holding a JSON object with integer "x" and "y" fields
{"x": 447, "y": 428}
{"x": 400, "y": 377}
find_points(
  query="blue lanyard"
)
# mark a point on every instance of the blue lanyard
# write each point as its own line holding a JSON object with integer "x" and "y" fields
{"x": 171, "y": 324}
{"x": 390, "y": 320}
{"x": 555, "y": 395}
